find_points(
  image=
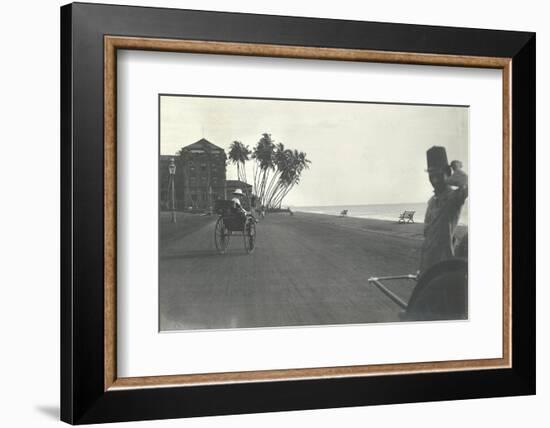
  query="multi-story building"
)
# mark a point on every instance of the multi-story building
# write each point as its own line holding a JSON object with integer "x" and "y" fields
{"x": 199, "y": 179}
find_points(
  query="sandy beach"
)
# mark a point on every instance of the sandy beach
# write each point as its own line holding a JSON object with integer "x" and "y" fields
{"x": 307, "y": 269}
{"x": 392, "y": 228}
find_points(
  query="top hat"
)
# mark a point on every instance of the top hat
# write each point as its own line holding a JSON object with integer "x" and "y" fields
{"x": 437, "y": 159}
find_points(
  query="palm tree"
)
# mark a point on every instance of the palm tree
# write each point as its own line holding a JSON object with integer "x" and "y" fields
{"x": 238, "y": 155}
{"x": 298, "y": 162}
{"x": 283, "y": 161}
{"x": 279, "y": 162}
{"x": 264, "y": 155}
{"x": 276, "y": 170}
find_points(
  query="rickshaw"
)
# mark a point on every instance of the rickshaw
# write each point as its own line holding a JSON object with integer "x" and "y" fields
{"x": 233, "y": 222}
{"x": 441, "y": 293}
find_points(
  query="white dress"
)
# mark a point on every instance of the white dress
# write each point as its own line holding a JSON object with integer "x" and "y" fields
{"x": 238, "y": 205}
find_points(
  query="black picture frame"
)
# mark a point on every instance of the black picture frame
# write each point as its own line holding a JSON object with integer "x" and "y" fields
{"x": 83, "y": 398}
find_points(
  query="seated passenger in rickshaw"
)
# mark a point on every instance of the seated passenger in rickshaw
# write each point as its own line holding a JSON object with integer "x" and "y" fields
{"x": 234, "y": 220}
{"x": 237, "y": 195}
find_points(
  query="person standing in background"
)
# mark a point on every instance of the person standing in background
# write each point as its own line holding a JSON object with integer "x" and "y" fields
{"x": 444, "y": 208}
{"x": 458, "y": 178}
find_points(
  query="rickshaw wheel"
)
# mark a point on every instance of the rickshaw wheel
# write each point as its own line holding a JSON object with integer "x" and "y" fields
{"x": 221, "y": 236}
{"x": 249, "y": 234}
{"x": 441, "y": 293}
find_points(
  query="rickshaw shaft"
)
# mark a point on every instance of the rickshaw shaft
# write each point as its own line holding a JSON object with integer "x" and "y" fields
{"x": 388, "y": 293}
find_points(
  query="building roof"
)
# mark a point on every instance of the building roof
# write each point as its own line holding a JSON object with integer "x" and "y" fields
{"x": 203, "y": 145}
{"x": 237, "y": 183}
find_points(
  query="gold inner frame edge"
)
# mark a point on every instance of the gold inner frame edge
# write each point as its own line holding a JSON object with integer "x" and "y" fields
{"x": 113, "y": 43}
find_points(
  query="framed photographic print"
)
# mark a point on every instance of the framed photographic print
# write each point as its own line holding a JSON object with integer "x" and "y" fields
{"x": 265, "y": 213}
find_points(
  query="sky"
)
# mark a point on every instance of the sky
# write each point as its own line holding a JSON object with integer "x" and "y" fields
{"x": 361, "y": 153}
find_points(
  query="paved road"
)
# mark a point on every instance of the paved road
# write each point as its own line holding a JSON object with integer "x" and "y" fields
{"x": 302, "y": 272}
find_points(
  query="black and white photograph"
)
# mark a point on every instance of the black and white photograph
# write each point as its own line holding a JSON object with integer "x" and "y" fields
{"x": 244, "y": 214}
{"x": 305, "y": 212}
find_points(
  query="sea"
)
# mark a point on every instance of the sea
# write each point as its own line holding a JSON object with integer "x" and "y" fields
{"x": 389, "y": 212}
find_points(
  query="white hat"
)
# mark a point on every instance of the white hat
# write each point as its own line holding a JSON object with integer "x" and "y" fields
{"x": 238, "y": 192}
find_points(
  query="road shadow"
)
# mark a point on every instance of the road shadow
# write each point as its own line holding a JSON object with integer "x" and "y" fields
{"x": 200, "y": 254}
{"x": 49, "y": 410}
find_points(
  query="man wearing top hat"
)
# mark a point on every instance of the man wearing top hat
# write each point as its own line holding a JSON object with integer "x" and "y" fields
{"x": 443, "y": 210}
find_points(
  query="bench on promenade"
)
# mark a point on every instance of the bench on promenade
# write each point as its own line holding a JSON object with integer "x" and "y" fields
{"x": 406, "y": 217}
{"x": 343, "y": 213}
